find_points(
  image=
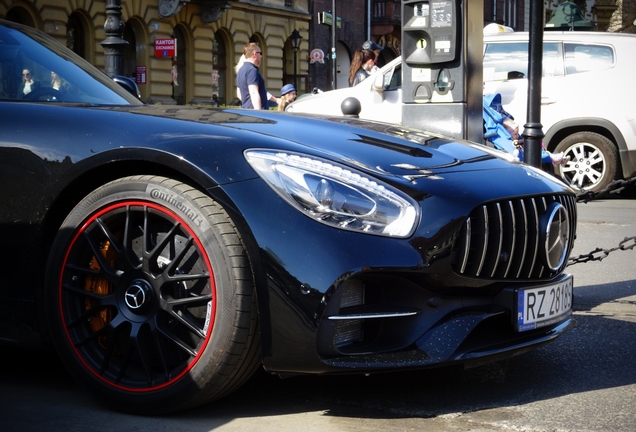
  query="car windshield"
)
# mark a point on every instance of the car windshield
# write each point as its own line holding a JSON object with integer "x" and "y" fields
{"x": 34, "y": 67}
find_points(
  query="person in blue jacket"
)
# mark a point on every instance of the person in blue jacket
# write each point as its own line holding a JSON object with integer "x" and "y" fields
{"x": 502, "y": 132}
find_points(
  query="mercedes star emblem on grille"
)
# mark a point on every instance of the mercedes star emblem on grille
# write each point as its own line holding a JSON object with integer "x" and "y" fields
{"x": 557, "y": 234}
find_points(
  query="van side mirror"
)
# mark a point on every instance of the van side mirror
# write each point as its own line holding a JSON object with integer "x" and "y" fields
{"x": 378, "y": 83}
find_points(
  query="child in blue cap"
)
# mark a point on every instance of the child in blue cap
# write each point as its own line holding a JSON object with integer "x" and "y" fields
{"x": 287, "y": 96}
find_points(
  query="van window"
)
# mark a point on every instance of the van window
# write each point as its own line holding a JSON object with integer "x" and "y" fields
{"x": 587, "y": 58}
{"x": 504, "y": 60}
{"x": 393, "y": 78}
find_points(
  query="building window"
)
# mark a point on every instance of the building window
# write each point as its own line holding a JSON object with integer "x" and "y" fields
{"x": 75, "y": 35}
{"x": 219, "y": 70}
{"x": 587, "y": 58}
{"x": 130, "y": 52}
{"x": 510, "y": 13}
{"x": 21, "y": 16}
{"x": 179, "y": 84}
{"x": 289, "y": 4}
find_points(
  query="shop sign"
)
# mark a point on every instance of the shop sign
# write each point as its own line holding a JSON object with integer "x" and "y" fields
{"x": 141, "y": 75}
{"x": 165, "y": 47}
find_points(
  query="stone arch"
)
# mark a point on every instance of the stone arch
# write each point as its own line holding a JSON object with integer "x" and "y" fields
{"x": 260, "y": 40}
{"x": 223, "y": 73}
{"x": 182, "y": 87}
{"x": 25, "y": 13}
{"x": 80, "y": 35}
{"x": 291, "y": 66}
{"x": 136, "y": 54}
{"x": 343, "y": 64}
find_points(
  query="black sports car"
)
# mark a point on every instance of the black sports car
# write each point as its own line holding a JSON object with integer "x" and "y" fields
{"x": 167, "y": 252}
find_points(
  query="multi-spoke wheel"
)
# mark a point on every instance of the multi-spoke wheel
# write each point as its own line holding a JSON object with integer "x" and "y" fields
{"x": 152, "y": 303}
{"x": 593, "y": 161}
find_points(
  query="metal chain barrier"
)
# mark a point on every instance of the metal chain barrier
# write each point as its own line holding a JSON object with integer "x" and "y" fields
{"x": 628, "y": 243}
{"x": 613, "y": 188}
{"x": 598, "y": 254}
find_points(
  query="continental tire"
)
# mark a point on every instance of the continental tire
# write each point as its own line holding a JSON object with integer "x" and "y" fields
{"x": 151, "y": 299}
{"x": 593, "y": 161}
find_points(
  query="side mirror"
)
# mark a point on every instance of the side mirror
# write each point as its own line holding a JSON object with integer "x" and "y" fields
{"x": 516, "y": 75}
{"x": 378, "y": 83}
{"x": 128, "y": 84}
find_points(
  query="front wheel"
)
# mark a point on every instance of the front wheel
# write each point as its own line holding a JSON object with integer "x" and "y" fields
{"x": 151, "y": 301}
{"x": 593, "y": 163}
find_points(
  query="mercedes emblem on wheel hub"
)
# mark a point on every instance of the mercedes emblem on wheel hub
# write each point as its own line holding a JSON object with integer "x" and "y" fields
{"x": 138, "y": 295}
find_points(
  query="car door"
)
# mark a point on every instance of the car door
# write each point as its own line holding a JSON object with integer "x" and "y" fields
{"x": 589, "y": 68}
{"x": 383, "y": 100}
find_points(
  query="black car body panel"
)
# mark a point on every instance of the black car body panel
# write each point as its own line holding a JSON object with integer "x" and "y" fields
{"x": 206, "y": 147}
{"x": 330, "y": 299}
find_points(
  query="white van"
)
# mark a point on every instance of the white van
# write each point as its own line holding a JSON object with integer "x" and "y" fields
{"x": 380, "y": 96}
{"x": 587, "y": 100}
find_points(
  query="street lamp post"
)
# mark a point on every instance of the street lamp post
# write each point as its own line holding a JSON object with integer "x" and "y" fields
{"x": 113, "y": 44}
{"x": 533, "y": 130}
{"x": 295, "y": 43}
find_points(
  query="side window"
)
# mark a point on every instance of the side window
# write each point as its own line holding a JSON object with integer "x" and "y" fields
{"x": 510, "y": 60}
{"x": 500, "y": 59}
{"x": 552, "y": 64}
{"x": 393, "y": 78}
{"x": 32, "y": 69}
{"x": 587, "y": 58}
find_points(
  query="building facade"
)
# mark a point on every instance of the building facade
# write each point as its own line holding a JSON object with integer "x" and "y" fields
{"x": 209, "y": 36}
{"x": 332, "y": 48}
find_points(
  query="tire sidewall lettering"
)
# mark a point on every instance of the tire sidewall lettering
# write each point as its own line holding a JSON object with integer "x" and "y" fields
{"x": 182, "y": 206}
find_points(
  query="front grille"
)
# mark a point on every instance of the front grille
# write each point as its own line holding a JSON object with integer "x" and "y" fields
{"x": 505, "y": 240}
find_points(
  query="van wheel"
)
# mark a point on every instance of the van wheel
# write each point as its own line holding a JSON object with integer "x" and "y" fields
{"x": 593, "y": 161}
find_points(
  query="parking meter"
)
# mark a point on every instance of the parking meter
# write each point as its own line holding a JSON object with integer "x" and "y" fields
{"x": 442, "y": 79}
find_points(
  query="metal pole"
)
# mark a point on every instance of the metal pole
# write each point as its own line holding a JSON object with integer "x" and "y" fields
{"x": 113, "y": 44}
{"x": 369, "y": 19}
{"x": 533, "y": 129}
{"x": 295, "y": 68}
{"x": 334, "y": 22}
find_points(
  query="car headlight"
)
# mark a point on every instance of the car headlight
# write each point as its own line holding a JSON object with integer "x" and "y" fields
{"x": 336, "y": 195}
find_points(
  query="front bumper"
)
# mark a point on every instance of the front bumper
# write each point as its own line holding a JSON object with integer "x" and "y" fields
{"x": 432, "y": 330}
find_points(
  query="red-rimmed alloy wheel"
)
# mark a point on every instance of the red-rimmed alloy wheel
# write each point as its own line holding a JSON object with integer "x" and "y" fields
{"x": 151, "y": 303}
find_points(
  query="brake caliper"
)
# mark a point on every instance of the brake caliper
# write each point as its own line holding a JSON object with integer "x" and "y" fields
{"x": 100, "y": 286}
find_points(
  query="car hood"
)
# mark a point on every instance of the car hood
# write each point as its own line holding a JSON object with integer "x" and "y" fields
{"x": 397, "y": 154}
